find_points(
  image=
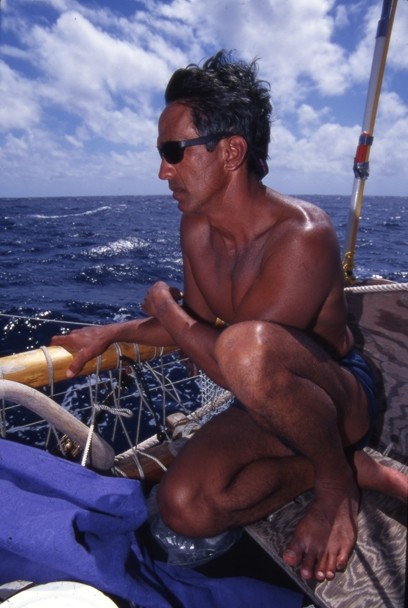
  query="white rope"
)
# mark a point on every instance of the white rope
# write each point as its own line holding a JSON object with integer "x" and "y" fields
{"x": 210, "y": 392}
{"x": 116, "y": 411}
{"x": 43, "y": 320}
{"x": 135, "y": 452}
{"x": 87, "y": 447}
{"x": 375, "y": 288}
{"x": 50, "y": 368}
{"x": 96, "y": 409}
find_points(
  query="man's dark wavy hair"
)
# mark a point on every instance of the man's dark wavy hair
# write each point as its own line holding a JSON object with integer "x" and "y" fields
{"x": 225, "y": 95}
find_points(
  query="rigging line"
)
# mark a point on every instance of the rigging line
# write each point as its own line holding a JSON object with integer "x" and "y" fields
{"x": 146, "y": 397}
{"x": 43, "y": 320}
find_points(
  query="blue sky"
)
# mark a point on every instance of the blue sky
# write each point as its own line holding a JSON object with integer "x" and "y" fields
{"x": 81, "y": 89}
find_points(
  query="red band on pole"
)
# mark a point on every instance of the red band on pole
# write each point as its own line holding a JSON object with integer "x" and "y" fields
{"x": 363, "y": 148}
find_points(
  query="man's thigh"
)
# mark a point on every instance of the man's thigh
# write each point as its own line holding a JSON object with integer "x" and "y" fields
{"x": 223, "y": 447}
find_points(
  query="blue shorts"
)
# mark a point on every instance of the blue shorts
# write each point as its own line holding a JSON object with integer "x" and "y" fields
{"x": 354, "y": 363}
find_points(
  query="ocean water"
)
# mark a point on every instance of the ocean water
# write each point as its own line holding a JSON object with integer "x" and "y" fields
{"x": 91, "y": 259}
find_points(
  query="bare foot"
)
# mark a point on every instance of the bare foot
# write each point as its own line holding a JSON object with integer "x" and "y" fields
{"x": 324, "y": 539}
{"x": 372, "y": 475}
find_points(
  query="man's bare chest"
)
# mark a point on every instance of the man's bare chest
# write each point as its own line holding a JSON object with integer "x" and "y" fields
{"x": 225, "y": 277}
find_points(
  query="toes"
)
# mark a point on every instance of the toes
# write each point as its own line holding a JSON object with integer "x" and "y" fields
{"x": 331, "y": 562}
{"x": 319, "y": 549}
{"x": 323, "y": 574}
{"x": 291, "y": 557}
{"x": 307, "y": 569}
{"x": 312, "y": 564}
{"x": 320, "y": 576}
{"x": 297, "y": 555}
{"x": 327, "y": 566}
{"x": 342, "y": 560}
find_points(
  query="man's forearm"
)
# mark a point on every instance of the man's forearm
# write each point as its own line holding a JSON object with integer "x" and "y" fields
{"x": 143, "y": 331}
{"x": 197, "y": 339}
{"x": 89, "y": 342}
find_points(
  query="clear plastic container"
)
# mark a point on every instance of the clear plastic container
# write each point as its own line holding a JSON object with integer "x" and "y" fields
{"x": 184, "y": 551}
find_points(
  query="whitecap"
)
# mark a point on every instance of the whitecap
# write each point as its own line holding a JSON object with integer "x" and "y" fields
{"x": 81, "y": 214}
{"x": 117, "y": 247}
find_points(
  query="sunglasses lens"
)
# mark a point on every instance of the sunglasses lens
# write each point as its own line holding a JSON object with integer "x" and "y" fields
{"x": 172, "y": 152}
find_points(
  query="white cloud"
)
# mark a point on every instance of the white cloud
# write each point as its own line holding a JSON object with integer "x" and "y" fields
{"x": 19, "y": 107}
{"x": 391, "y": 108}
{"x": 74, "y": 141}
{"x": 341, "y": 16}
{"x": 309, "y": 118}
{"x": 390, "y": 147}
{"x": 82, "y": 84}
{"x": 87, "y": 65}
{"x": 325, "y": 150}
{"x": 398, "y": 53}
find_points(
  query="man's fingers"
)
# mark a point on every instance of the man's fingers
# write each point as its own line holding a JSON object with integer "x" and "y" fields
{"x": 77, "y": 365}
{"x": 176, "y": 293}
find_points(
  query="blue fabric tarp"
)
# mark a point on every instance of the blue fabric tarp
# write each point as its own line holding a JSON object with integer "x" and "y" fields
{"x": 60, "y": 521}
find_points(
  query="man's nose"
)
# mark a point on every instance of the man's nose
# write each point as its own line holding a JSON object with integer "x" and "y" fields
{"x": 166, "y": 169}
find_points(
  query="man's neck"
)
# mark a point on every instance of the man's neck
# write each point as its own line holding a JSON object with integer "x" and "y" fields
{"x": 238, "y": 216}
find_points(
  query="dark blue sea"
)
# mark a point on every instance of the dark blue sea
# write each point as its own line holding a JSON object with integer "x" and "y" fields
{"x": 91, "y": 259}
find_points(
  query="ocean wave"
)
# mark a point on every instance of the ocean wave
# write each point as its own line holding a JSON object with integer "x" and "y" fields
{"x": 39, "y": 216}
{"x": 87, "y": 257}
{"x": 117, "y": 247}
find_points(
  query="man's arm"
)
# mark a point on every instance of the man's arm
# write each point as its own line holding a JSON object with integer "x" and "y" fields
{"x": 192, "y": 326}
{"x": 89, "y": 342}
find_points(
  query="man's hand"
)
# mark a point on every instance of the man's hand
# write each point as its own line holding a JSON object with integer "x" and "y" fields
{"x": 86, "y": 344}
{"x": 90, "y": 342}
{"x": 159, "y": 297}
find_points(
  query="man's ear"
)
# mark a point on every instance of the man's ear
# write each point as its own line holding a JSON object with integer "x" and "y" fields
{"x": 235, "y": 150}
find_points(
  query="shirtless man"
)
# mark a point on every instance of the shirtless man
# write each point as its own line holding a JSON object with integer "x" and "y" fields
{"x": 268, "y": 266}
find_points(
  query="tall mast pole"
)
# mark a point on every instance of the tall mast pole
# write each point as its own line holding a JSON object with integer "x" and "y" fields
{"x": 361, "y": 160}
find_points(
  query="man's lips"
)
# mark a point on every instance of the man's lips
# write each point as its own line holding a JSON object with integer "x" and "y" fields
{"x": 175, "y": 188}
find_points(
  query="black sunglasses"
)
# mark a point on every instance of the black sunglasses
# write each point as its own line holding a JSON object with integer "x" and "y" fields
{"x": 173, "y": 151}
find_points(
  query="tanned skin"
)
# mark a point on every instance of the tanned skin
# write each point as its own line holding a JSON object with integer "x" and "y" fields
{"x": 269, "y": 267}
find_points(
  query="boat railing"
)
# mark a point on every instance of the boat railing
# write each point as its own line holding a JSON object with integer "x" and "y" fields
{"x": 125, "y": 398}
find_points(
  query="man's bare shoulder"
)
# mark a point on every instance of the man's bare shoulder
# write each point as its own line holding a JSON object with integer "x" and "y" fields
{"x": 194, "y": 229}
{"x": 274, "y": 217}
{"x": 303, "y": 218}
{"x": 297, "y": 208}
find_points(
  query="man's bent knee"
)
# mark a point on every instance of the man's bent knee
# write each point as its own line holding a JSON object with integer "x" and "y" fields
{"x": 184, "y": 512}
{"x": 250, "y": 353}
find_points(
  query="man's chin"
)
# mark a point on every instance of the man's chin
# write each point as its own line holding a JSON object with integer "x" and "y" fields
{"x": 178, "y": 196}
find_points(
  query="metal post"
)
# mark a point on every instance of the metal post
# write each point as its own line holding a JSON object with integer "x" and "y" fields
{"x": 361, "y": 160}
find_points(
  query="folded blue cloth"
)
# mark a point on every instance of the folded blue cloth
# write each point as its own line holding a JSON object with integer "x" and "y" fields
{"x": 60, "y": 521}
